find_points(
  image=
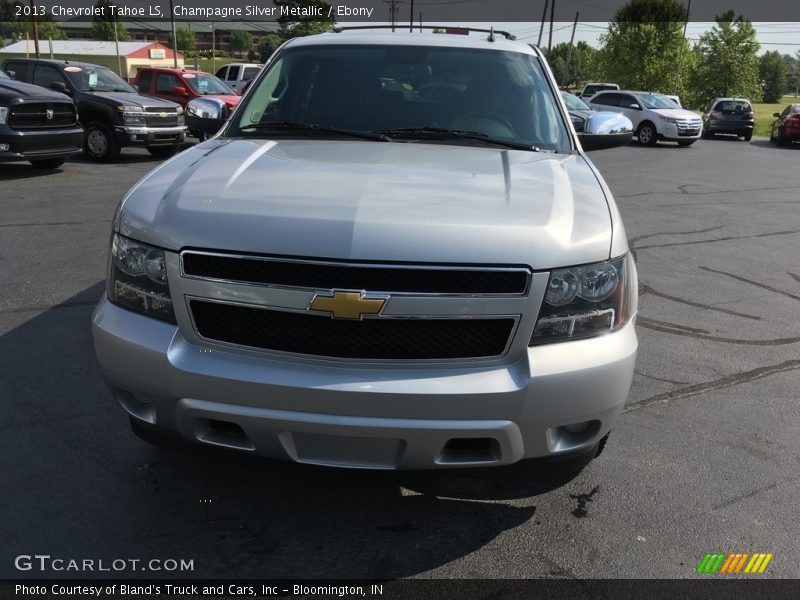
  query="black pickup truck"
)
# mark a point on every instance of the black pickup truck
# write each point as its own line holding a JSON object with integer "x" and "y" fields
{"x": 36, "y": 125}
{"x": 112, "y": 112}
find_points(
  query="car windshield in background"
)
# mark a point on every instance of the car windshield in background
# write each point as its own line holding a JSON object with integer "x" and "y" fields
{"x": 575, "y": 103}
{"x": 207, "y": 84}
{"x": 96, "y": 79}
{"x": 733, "y": 107}
{"x": 657, "y": 101}
{"x": 436, "y": 94}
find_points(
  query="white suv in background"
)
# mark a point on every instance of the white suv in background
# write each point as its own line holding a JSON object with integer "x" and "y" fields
{"x": 654, "y": 116}
{"x": 238, "y": 75}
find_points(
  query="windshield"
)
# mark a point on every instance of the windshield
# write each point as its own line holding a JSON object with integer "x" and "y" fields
{"x": 3, "y": 75}
{"x": 96, "y": 79}
{"x": 403, "y": 90}
{"x": 657, "y": 101}
{"x": 203, "y": 83}
{"x": 575, "y": 103}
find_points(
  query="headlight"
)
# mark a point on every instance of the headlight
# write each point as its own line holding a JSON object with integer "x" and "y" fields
{"x": 669, "y": 119}
{"x": 137, "y": 278}
{"x": 132, "y": 115}
{"x": 3, "y": 114}
{"x": 586, "y": 301}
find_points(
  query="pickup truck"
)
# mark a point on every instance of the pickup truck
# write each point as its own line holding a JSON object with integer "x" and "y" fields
{"x": 36, "y": 125}
{"x": 182, "y": 86}
{"x": 112, "y": 113}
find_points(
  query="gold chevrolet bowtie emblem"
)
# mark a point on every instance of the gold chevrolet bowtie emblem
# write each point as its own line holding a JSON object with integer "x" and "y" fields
{"x": 347, "y": 305}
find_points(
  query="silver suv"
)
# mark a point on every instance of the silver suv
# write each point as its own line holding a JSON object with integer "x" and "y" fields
{"x": 395, "y": 254}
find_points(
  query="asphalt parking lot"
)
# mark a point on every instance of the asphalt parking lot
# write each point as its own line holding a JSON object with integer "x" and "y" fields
{"x": 705, "y": 457}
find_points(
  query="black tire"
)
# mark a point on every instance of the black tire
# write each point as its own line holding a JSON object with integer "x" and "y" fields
{"x": 772, "y": 139}
{"x": 748, "y": 136}
{"x": 779, "y": 139}
{"x": 647, "y": 134}
{"x": 707, "y": 135}
{"x": 162, "y": 151}
{"x": 99, "y": 143}
{"x": 686, "y": 143}
{"x": 201, "y": 137}
{"x": 601, "y": 445}
{"x": 50, "y": 163}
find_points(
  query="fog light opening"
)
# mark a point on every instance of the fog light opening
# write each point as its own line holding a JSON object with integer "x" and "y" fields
{"x": 222, "y": 433}
{"x": 577, "y": 427}
{"x": 470, "y": 450}
{"x": 140, "y": 408}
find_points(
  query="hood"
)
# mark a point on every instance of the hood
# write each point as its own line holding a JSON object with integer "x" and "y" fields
{"x": 230, "y": 99}
{"x": 678, "y": 113}
{"x": 358, "y": 200}
{"x": 17, "y": 89}
{"x": 133, "y": 99}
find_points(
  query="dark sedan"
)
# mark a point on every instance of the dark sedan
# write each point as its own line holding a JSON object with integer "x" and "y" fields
{"x": 36, "y": 125}
{"x": 578, "y": 110}
{"x": 786, "y": 127}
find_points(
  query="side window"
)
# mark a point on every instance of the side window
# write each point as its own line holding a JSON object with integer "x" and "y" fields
{"x": 145, "y": 81}
{"x": 606, "y": 100}
{"x": 166, "y": 83}
{"x": 20, "y": 70}
{"x": 233, "y": 74}
{"x": 626, "y": 100}
{"x": 45, "y": 76}
{"x": 222, "y": 72}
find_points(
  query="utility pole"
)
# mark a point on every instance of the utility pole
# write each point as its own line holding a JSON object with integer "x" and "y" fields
{"x": 174, "y": 36}
{"x": 116, "y": 44}
{"x": 541, "y": 27}
{"x": 411, "y": 18}
{"x": 550, "y": 40}
{"x": 683, "y": 43}
{"x": 35, "y": 28}
{"x": 569, "y": 52}
{"x": 393, "y": 8}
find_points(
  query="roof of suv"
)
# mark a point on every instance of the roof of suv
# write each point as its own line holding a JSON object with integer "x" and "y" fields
{"x": 59, "y": 63}
{"x": 405, "y": 38}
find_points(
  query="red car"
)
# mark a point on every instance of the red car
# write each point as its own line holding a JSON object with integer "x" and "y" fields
{"x": 181, "y": 86}
{"x": 786, "y": 128}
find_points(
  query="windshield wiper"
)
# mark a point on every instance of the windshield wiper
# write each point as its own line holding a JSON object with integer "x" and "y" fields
{"x": 455, "y": 134}
{"x": 314, "y": 127}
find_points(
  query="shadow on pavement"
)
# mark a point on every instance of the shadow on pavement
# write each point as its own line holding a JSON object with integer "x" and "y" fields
{"x": 84, "y": 486}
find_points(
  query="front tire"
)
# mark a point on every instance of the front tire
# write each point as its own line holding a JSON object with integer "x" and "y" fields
{"x": 779, "y": 139}
{"x": 99, "y": 143}
{"x": 162, "y": 151}
{"x": 648, "y": 135}
{"x": 748, "y": 136}
{"x": 52, "y": 163}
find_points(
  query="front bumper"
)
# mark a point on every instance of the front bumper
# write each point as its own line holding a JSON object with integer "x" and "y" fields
{"x": 130, "y": 135}
{"x": 40, "y": 145}
{"x": 675, "y": 133}
{"x": 377, "y": 417}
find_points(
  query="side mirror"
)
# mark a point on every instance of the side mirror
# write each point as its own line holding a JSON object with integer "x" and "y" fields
{"x": 179, "y": 90}
{"x": 59, "y": 86}
{"x": 12, "y": 74}
{"x": 634, "y": 106}
{"x": 578, "y": 94}
{"x": 135, "y": 86}
{"x": 206, "y": 115}
{"x": 606, "y": 130}
{"x": 776, "y": 115}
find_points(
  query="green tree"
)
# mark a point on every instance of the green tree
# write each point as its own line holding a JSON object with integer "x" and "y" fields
{"x": 773, "y": 71}
{"x": 298, "y": 26}
{"x": 727, "y": 62}
{"x": 268, "y": 45}
{"x": 185, "y": 37}
{"x": 103, "y": 26}
{"x": 644, "y": 47}
{"x": 10, "y": 27}
{"x": 581, "y": 66}
{"x": 47, "y": 30}
{"x": 241, "y": 41}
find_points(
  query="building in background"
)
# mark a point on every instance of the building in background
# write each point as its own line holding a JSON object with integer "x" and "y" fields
{"x": 132, "y": 55}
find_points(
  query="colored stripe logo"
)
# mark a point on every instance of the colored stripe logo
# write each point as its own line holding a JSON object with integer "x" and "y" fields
{"x": 732, "y": 563}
